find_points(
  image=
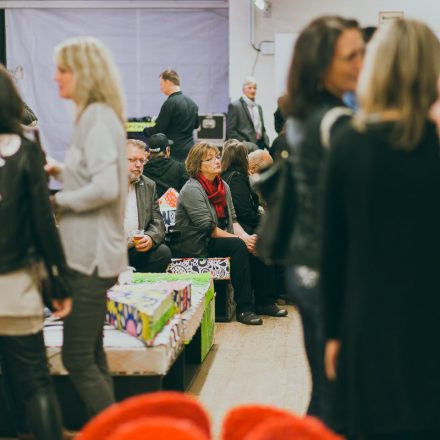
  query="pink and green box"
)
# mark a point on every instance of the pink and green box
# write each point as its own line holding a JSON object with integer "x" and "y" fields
{"x": 140, "y": 310}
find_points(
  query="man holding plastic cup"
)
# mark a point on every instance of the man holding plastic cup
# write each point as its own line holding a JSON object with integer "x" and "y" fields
{"x": 143, "y": 222}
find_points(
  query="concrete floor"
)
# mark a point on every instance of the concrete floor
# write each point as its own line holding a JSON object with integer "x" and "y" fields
{"x": 255, "y": 364}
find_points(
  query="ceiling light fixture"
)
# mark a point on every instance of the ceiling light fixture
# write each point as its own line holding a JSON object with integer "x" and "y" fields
{"x": 263, "y": 5}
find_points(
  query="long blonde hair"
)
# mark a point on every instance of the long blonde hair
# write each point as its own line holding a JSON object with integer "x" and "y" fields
{"x": 96, "y": 77}
{"x": 398, "y": 80}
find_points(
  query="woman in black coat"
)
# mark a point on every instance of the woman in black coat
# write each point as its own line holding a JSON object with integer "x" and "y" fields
{"x": 28, "y": 238}
{"x": 326, "y": 62}
{"x": 381, "y": 246}
{"x": 235, "y": 171}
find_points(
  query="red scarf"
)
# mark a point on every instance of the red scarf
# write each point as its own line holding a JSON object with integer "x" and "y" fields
{"x": 216, "y": 193}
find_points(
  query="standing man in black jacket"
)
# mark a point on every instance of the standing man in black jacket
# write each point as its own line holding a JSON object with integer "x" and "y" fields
{"x": 178, "y": 116}
{"x": 163, "y": 169}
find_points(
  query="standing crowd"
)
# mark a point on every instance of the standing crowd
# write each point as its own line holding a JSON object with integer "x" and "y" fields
{"x": 362, "y": 247}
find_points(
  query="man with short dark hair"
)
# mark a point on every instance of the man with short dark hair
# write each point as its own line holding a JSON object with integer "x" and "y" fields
{"x": 143, "y": 221}
{"x": 178, "y": 116}
{"x": 163, "y": 169}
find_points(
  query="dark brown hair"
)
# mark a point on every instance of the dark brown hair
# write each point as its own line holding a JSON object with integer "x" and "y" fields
{"x": 312, "y": 56}
{"x": 170, "y": 75}
{"x": 11, "y": 105}
{"x": 234, "y": 157}
{"x": 196, "y": 155}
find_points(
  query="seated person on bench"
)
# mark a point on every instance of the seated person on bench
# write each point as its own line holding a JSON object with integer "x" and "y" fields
{"x": 205, "y": 205}
{"x": 143, "y": 221}
{"x": 163, "y": 169}
{"x": 235, "y": 171}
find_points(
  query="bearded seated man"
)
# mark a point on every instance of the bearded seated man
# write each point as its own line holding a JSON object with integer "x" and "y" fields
{"x": 143, "y": 222}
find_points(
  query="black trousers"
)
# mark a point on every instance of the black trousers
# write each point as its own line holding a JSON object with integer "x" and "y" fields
{"x": 155, "y": 260}
{"x": 240, "y": 269}
{"x": 263, "y": 281}
{"x": 309, "y": 303}
{"x": 24, "y": 367}
{"x": 83, "y": 349}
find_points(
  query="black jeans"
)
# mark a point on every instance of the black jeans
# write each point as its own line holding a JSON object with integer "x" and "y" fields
{"x": 263, "y": 281}
{"x": 309, "y": 303}
{"x": 24, "y": 367}
{"x": 236, "y": 250}
{"x": 155, "y": 260}
{"x": 83, "y": 351}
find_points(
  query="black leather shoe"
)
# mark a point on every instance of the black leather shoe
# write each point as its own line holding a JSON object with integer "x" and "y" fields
{"x": 249, "y": 318}
{"x": 271, "y": 310}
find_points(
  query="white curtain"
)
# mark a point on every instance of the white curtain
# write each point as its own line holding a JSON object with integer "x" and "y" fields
{"x": 144, "y": 43}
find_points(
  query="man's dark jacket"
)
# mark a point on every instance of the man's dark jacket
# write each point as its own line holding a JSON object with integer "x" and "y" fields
{"x": 239, "y": 123}
{"x": 167, "y": 173}
{"x": 149, "y": 217}
{"x": 177, "y": 119}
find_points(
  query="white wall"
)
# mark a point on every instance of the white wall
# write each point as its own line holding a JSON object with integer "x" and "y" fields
{"x": 290, "y": 16}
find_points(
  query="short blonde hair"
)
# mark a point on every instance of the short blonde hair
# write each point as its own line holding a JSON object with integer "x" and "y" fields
{"x": 398, "y": 81}
{"x": 137, "y": 143}
{"x": 95, "y": 73}
{"x": 196, "y": 155}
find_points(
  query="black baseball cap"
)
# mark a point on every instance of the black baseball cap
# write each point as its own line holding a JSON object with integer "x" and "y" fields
{"x": 158, "y": 142}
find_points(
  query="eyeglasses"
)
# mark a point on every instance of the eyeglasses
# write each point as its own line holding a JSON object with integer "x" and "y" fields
{"x": 212, "y": 159}
{"x": 141, "y": 161}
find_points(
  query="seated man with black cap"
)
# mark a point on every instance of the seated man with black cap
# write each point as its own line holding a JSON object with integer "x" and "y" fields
{"x": 143, "y": 222}
{"x": 163, "y": 169}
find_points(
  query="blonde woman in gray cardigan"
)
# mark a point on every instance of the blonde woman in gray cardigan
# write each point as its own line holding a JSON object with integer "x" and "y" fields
{"x": 91, "y": 208}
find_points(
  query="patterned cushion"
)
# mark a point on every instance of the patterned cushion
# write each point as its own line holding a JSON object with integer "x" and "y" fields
{"x": 218, "y": 267}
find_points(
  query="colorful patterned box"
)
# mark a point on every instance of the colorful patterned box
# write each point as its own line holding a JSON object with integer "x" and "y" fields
{"x": 219, "y": 268}
{"x": 181, "y": 292}
{"x": 139, "y": 310}
{"x": 167, "y": 205}
{"x": 168, "y": 200}
{"x": 202, "y": 294}
{"x": 181, "y": 285}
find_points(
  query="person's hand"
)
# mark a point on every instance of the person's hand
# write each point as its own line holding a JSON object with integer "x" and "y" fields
{"x": 144, "y": 244}
{"x": 331, "y": 356}
{"x": 250, "y": 241}
{"x": 52, "y": 167}
{"x": 62, "y": 307}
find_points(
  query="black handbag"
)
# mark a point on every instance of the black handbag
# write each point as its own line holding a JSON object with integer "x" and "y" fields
{"x": 277, "y": 187}
{"x": 187, "y": 241}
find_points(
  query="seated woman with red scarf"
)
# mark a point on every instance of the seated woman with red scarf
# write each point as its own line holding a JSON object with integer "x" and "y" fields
{"x": 205, "y": 203}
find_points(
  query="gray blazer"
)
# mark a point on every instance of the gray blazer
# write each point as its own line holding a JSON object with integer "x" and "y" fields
{"x": 194, "y": 208}
{"x": 149, "y": 216}
{"x": 239, "y": 124}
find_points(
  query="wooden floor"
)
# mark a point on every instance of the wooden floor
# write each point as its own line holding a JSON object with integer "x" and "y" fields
{"x": 259, "y": 364}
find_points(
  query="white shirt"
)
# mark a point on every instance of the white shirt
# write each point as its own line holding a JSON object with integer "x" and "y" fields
{"x": 131, "y": 221}
{"x": 255, "y": 115}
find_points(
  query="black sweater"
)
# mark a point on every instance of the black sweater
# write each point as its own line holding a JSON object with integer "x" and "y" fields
{"x": 177, "y": 119}
{"x": 167, "y": 173}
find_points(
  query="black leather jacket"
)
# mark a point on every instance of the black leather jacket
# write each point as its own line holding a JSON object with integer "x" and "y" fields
{"x": 28, "y": 232}
{"x": 309, "y": 165}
